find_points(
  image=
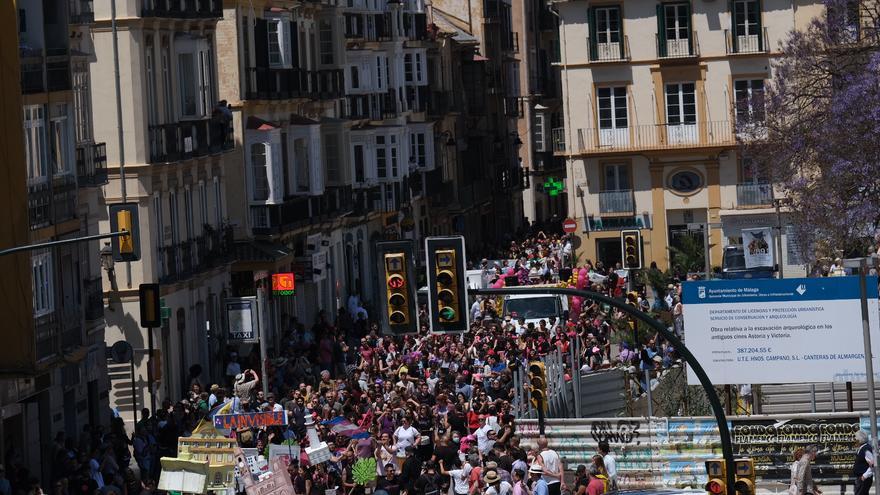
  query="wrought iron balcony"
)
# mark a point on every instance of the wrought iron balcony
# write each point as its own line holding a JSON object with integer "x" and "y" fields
{"x": 189, "y": 258}
{"x": 646, "y": 137}
{"x": 681, "y": 48}
{"x": 183, "y": 9}
{"x": 81, "y": 12}
{"x": 611, "y": 51}
{"x": 91, "y": 164}
{"x": 746, "y": 44}
{"x": 269, "y": 83}
{"x": 188, "y": 139}
{"x": 754, "y": 194}
{"x": 620, "y": 202}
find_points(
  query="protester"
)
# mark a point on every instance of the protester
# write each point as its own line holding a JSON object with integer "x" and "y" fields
{"x": 863, "y": 467}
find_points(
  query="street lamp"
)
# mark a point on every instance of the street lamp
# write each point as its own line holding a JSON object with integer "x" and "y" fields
{"x": 778, "y": 203}
{"x": 107, "y": 260}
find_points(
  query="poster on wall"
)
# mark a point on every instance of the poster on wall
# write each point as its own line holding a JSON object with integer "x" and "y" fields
{"x": 758, "y": 247}
{"x": 795, "y": 330}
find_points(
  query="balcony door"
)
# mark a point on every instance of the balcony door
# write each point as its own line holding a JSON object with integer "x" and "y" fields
{"x": 677, "y": 29}
{"x": 747, "y": 26}
{"x": 681, "y": 113}
{"x": 613, "y": 117}
{"x": 607, "y": 33}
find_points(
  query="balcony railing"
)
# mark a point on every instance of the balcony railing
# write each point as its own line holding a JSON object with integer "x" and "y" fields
{"x": 188, "y": 258}
{"x": 744, "y": 44}
{"x": 46, "y": 335}
{"x": 681, "y": 48}
{"x": 183, "y": 9}
{"x": 94, "y": 299}
{"x": 64, "y": 200}
{"x": 301, "y": 211}
{"x": 57, "y": 69}
{"x": 32, "y": 75}
{"x": 40, "y": 204}
{"x": 81, "y": 12}
{"x": 754, "y": 194}
{"x": 91, "y": 164}
{"x": 558, "y": 140}
{"x": 266, "y": 83}
{"x": 650, "y": 137}
{"x": 189, "y": 138}
{"x": 616, "y": 202}
{"x": 615, "y": 51}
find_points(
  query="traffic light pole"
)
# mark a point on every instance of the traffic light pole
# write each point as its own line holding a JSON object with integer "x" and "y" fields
{"x": 714, "y": 401}
{"x": 31, "y": 247}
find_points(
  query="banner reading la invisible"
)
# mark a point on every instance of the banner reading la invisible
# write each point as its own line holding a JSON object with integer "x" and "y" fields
{"x": 798, "y": 330}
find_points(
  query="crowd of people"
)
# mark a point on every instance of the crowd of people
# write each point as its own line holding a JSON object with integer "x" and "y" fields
{"x": 439, "y": 409}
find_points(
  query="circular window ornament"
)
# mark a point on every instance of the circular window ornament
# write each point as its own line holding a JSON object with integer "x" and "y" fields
{"x": 685, "y": 181}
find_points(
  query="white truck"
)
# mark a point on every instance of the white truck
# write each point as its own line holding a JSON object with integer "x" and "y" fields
{"x": 535, "y": 307}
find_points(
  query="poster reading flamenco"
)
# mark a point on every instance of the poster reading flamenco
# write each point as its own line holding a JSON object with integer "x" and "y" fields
{"x": 758, "y": 247}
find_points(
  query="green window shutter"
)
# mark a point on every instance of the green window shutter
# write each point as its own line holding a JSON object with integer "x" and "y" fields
{"x": 690, "y": 33}
{"x": 591, "y": 21}
{"x": 661, "y": 30}
{"x": 620, "y": 27}
{"x": 731, "y": 6}
{"x": 760, "y": 27}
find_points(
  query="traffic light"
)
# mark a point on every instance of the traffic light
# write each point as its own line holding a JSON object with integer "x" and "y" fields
{"x": 447, "y": 284}
{"x": 151, "y": 314}
{"x": 400, "y": 315}
{"x": 631, "y": 244}
{"x": 717, "y": 471}
{"x": 745, "y": 476}
{"x": 125, "y": 217}
{"x": 538, "y": 385}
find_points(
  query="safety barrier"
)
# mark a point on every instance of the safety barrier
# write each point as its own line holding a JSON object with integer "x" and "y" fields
{"x": 670, "y": 452}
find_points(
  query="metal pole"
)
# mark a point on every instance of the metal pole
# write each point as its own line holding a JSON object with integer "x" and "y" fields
{"x": 813, "y": 397}
{"x": 708, "y": 267}
{"x": 540, "y": 404}
{"x": 869, "y": 364}
{"x": 576, "y": 373}
{"x": 31, "y": 247}
{"x": 660, "y": 327}
{"x": 833, "y": 399}
{"x": 261, "y": 312}
{"x": 777, "y": 203}
{"x": 134, "y": 403}
{"x": 150, "y": 376}
{"x": 121, "y": 141}
{"x": 648, "y": 393}
{"x": 849, "y": 397}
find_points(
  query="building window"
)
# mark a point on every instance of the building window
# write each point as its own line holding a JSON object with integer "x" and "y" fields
{"x": 278, "y": 30}
{"x": 747, "y": 26}
{"x": 301, "y": 157}
{"x": 685, "y": 181}
{"x": 82, "y": 103}
{"x": 259, "y": 170}
{"x": 417, "y": 149}
{"x": 617, "y": 177}
{"x": 160, "y": 219}
{"x": 42, "y": 280}
{"x": 203, "y": 204}
{"x": 612, "y": 107}
{"x": 408, "y": 67}
{"x": 359, "y": 166}
{"x": 379, "y": 73}
{"x": 607, "y": 25}
{"x": 674, "y": 29}
{"x": 195, "y": 77}
{"x": 394, "y": 171}
{"x": 749, "y": 95}
{"x": 538, "y": 133}
{"x": 188, "y": 212}
{"x": 218, "y": 201}
{"x": 418, "y": 66}
{"x": 167, "y": 86}
{"x": 354, "y": 80}
{"x": 325, "y": 37}
{"x": 35, "y": 141}
{"x": 681, "y": 104}
{"x": 152, "y": 104}
{"x": 61, "y": 149}
{"x": 381, "y": 164}
{"x": 331, "y": 157}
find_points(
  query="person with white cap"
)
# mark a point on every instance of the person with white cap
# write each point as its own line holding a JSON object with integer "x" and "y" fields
{"x": 536, "y": 473}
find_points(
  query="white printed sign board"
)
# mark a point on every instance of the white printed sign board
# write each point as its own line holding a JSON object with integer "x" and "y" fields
{"x": 798, "y": 330}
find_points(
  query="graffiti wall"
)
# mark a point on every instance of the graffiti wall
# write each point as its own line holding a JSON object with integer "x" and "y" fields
{"x": 661, "y": 452}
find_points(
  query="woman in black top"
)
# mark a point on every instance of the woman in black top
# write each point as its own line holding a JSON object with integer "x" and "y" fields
{"x": 425, "y": 424}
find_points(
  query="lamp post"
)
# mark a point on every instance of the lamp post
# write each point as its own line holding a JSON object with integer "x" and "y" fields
{"x": 778, "y": 203}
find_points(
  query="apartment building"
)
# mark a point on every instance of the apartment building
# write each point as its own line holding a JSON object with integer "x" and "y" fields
{"x": 53, "y": 366}
{"x": 652, "y": 93}
{"x": 485, "y": 203}
{"x": 174, "y": 143}
{"x": 535, "y": 44}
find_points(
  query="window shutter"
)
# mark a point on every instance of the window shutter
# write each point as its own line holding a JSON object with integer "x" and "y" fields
{"x": 591, "y": 20}
{"x": 760, "y": 27}
{"x": 661, "y": 30}
{"x": 261, "y": 43}
{"x": 691, "y": 32}
{"x": 731, "y": 6}
{"x": 622, "y": 34}
{"x": 294, "y": 45}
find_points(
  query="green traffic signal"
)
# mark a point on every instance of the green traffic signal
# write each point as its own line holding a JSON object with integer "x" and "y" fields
{"x": 447, "y": 313}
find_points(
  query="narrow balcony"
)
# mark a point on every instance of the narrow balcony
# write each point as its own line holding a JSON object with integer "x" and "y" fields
{"x": 188, "y": 258}
{"x": 613, "y": 51}
{"x": 188, "y": 139}
{"x": 183, "y": 9}
{"x": 301, "y": 211}
{"x": 46, "y": 335}
{"x": 91, "y": 164}
{"x": 650, "y": 137}
{"x": 57, "y": 69}
{"x": 40, "y": 73}
{"x": 558, "y": 140}
{"x": 746, "y": 44}
{"x": 754, "y": 194}
{"x": 267, "y": 83}
{"x": 620, "y": 202}
{"x": 678, "y": 48}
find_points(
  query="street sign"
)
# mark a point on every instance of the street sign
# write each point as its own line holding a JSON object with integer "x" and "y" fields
{"x": 121, "y": 352}
{"x": 569, "y": 225}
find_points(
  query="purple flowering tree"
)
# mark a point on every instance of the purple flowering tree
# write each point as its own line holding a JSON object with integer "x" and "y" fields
{"x": 819, "y": 136}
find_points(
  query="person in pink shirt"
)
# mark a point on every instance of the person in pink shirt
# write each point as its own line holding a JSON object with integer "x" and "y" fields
{"x": 596, "y": 486}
